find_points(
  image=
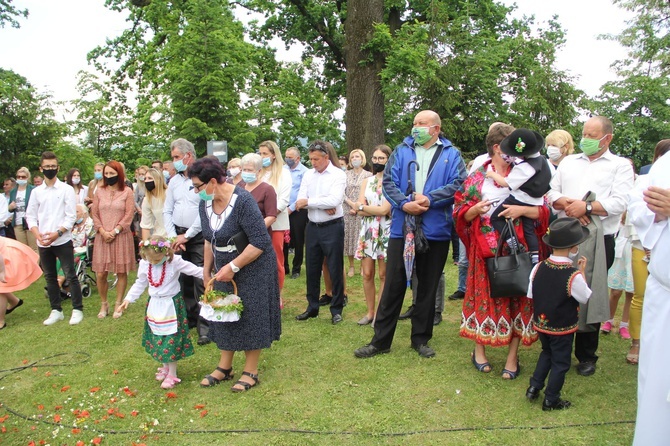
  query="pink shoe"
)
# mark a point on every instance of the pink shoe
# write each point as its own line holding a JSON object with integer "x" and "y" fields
{"x": 623, "y": 332}
{"x": 606, "y": 327}
{"x": 170, "y": 382}
{"x": 162, "y": 373}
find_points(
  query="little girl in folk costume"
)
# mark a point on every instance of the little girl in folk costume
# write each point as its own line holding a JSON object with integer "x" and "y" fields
{"x": 165, "y": 335}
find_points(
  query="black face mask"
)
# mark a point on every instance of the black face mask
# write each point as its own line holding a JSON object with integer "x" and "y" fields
{"x": 50, "y": 173}
{"x": 111, "y": 181}
{"x": 376, "y": 168}
{"x": 150, "y": 185}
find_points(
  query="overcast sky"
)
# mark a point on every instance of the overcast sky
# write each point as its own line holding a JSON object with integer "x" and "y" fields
{"x": 51, "y": 45}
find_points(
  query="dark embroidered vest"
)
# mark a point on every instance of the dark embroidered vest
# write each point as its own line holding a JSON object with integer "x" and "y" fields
{"x": 538, "y": 184}
{"x": 555, "y": 311}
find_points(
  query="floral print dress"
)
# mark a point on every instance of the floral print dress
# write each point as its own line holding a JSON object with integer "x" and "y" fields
{"x": 375, "y": 229}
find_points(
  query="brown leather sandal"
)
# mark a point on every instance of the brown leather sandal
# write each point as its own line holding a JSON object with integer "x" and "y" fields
{"x": 245, "y": 385}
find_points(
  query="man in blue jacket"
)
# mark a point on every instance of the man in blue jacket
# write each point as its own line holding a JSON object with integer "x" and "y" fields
{"x": 440, "y": 173}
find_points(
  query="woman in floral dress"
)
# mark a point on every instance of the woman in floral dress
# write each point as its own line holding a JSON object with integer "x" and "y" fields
{"x": 488, "y": 321}
{"x": 375, "y": 228}
{"x": 352, "y": 222}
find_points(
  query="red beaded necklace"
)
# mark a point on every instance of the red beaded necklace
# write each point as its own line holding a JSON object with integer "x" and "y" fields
{"x": 493, "y": 167}
{"x": 151, "y": 279}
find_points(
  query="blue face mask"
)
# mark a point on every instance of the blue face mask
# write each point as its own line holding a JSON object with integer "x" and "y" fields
{"x": 166, "y": 175}
{"x": 161, "y": 262}
{"x": 179, "y": 165}
{"x": 79, "y": 220}
{"x": 97, "y": 175}
{"x": 290, "y": 162}
{"x": 267, "y": 162}
{"x": 248, "y": 177}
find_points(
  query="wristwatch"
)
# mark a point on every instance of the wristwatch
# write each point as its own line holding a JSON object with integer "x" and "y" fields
{"x": 117, "y": 231}
{"x": 59, "y": 232}
{"x": 360, "y": 207}
{"x": 234, "y": 268}
{"x": 589, "y": 208}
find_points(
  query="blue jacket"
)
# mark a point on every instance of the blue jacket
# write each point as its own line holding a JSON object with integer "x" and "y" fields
{"x": 444, "y": 179}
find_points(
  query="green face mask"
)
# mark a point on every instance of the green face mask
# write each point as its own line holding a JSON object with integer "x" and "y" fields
{"x": 590, "y": 146}
{"x": 421, "y": 135}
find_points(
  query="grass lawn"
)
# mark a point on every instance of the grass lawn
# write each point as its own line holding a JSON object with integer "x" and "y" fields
{"x": 313, "y": 390}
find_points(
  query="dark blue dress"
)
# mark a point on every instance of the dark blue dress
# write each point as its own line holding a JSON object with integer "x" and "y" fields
{"x": 257, "y": 283}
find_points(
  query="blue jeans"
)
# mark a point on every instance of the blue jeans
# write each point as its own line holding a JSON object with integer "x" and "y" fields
{"x": 463, "y": 265}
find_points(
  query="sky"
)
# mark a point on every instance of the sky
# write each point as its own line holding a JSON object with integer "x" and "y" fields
{"x": 52, "y": 43}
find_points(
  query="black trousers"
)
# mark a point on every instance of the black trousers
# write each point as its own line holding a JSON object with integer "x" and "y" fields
{"x": 298, "y": 222}
{"x": 554, "y": 358}
{"x": 586, "y": 343}
{"x": 528, "y": 224}
{"x": 191, "y": 287}
{"x": 65, "y": 253}
{"x": 428, "y": 267}
{"x": 325, "y": 241}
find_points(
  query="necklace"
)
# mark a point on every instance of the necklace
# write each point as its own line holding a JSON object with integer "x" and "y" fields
{"x": 151, "y": 278}
{"x": 504, "y": 174}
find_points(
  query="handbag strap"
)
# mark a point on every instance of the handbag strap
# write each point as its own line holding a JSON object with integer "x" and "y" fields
{"x": 508, "y": 229}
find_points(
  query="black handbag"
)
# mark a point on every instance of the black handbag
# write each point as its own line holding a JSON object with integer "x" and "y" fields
{"x": 509, "y": 275}
{"x": 240, "y": 241}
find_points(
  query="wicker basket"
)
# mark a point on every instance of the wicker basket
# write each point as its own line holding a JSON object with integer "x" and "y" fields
{"x": 212, "y": 311}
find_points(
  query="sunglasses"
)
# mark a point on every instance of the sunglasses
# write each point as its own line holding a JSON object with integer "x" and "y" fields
{"x": 314, "y": 147}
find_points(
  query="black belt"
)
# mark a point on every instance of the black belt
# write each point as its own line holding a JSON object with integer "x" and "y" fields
{"x": 609, "y": 236}
{"x": 326, "y": 223}
{"x": 180, "y": 230}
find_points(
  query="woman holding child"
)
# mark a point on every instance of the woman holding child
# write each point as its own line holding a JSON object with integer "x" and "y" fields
{"x": 488, "y": 321}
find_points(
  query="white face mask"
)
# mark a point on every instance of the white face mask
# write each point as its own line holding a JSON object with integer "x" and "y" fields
{"x": 234, "y": 171}
{"x": 554, "y": 153}
{"x": 76, "y": 180}
{"x": 573, "y": 255}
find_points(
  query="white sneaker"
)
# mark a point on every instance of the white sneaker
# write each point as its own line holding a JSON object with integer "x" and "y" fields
{"x": 54, "y": 317}
{"x": 77, "y": 316}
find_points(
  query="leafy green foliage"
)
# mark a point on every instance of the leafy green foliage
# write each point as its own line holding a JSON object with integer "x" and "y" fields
{"x": 9, "y": 14}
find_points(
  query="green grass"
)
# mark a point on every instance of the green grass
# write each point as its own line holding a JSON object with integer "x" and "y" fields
{"x": 313, "y": 391}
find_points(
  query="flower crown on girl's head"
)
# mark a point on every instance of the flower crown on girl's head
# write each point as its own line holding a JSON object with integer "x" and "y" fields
{"x": 164, "y": 246}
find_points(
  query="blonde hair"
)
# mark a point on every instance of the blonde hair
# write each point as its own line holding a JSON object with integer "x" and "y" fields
{"x": 235, "y": 160}
{"x": 277, "y": 166}
{"x": 159, "y": 191}
{"x": 561, "y": 139}
{"x": 25, "y": 171}
{"x": 150, "y": 250}
{"x": 361, "y": 153}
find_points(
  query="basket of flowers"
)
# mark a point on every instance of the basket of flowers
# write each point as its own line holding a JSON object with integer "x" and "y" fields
{"x": 219, "y": 306}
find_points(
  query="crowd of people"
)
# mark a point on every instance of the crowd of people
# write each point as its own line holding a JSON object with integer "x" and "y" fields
{"x": 593, "y": 230}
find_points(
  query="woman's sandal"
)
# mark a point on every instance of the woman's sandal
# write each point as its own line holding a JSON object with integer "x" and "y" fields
{"x": 170, "y": 381}
{"x": 212, "y": 381}
{"x": 510, "y": 374}
{"x": 480, "y": 367}
{"x": 245, "y": 385}
{"x": 117, "y": 313}
{"x": 9, "y": 310}
{"x": 162, "y": 373}
{"x": 104, "y": 309}
{"x": 633, "y": 358}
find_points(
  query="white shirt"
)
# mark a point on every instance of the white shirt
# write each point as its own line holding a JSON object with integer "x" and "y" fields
{"x": 170, "y": 285}
{"x": 323, "y": 191}
{"x": 52, "y": 207}
{"x": 517, "y": 177}
{"x": 181, "y": 207}
{"x": 579, "y": 288}
{"x": 20, "y": 211}
{"x": 609, "y": 176}
{"x": 283, "y": 192}
{"x": 479, "y": 162}
{"x": 4, "y": 210}
{"x": 152, "y": 216}
{"x": 653, "y": 235}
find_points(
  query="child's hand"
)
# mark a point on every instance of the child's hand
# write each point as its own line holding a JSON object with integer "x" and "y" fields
{"x": 490, "y": 174}
{"x": 123, "y": 306}
{"x": 581, "y": 264}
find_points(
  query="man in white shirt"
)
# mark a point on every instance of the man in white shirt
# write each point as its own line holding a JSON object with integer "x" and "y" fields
{"x": 322, "y": 193}
{"x": 610, "y": 178}
{"x": 51, "y": 214}
{"x": 181, "y": 218}
{"x": 297, "y": 219}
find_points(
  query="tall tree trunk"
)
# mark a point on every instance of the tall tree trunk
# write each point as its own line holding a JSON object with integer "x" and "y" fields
{"x": 364, "y": 113}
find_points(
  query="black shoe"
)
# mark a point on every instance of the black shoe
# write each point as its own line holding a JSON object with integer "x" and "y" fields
{"x": 559, "y": 404}
{"x": 407, "y": 314}
{"x": 325, "y": 300}
{"x": 9, "y": 310}
{"x": 458, "y": 295}
{"x": 368, "y": 351}
{"x": 437, "y": 319}
{"x": 337, "y": 318}
{"x": 586, "y": 368}
{"x": 532, "y": 393}
{"x": 424, "y": 351}
{"x": 204, "y": 340}
{"x": 306, "y": 315}
{"x": 295, "y": 275}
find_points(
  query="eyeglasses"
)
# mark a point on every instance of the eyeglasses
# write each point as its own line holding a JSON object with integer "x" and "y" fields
{"x": 314, "y": 147}
{"x": 50, "y": 167}
{"x": 379, "y": 158}
{"x": 21, "y": 177}
{"x": 200, "y": 186}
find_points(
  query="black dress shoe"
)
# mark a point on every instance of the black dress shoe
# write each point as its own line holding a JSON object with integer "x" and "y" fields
{"x": 586, "y": 368}
{"x": 295, "y": 275}
{"x": 368, "y": 351}
{"x": 306, "y": 315}
{"x": 407, "y": 314}
{"x": 204, "y": 340}
{"x": 325, "y": 300}
{"x": 559, "y": 404}
{"x": 532, "y": 393}
{"x": 437, "y": 319}
{"x": 458, "y": 295}
{"x": 336, "y": 319}
{"x": 424, "y": 351}
{"x": 9, "y": 310}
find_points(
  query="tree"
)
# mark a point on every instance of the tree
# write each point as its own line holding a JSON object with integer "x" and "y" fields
{"x": 637, "y": 103}
{"x": 9, "y": 13}
{"x": 27, "y": 124}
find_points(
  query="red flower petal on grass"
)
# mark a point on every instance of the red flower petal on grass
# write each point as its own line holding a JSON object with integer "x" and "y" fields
{"x": 203, "y": 413}
{"x": 119, "y": 415}
{"x": 34, "y": 370}
{"x": 128, "y": 392}
{"x": 199, "y": 406}
{"x": 25, "y": 361}
{"x": 171, "y": 395}
{"x": 111, "y": 411}
{"x": 32, "y": 443}
{"x": 134, "y": 413}
{"x": 76, "y": 431}
{"x": 40, "y": 407}
{"x": 47, "y": 374}
{"x": 84, "y": 414}
{"x": 96, "y": 440}
{"x": 58, "y": 407}
{"x": 57, "y": 418}
{"x": 43, "y": 442}
{"x": 3, "y": 429}
{"x": 94, "y": 389}
{"x": 112, "y": 400}
{"x": 65, "y": 388}
{"x": 80, "y": 443}
{"x": 115, "y": 372}
{"x": 3, "y": 419}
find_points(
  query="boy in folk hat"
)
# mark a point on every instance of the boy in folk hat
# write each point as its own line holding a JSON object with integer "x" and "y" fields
{"x": 557, "y": 288}
{"x": 528, "y": 180}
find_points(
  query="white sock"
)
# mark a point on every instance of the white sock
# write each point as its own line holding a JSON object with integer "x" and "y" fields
{"x": 623, "y": 325}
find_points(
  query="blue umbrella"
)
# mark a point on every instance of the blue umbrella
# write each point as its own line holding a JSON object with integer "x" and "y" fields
{"x": 415, "y": 241}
